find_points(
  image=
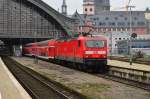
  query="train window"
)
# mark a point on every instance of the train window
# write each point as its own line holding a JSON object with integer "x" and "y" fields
{"x": 79, "y": 43}
{"x": 98, "y": 44}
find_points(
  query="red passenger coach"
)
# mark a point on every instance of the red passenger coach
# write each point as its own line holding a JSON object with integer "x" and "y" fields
{"x": 30, "y": 49}
{"x": 44, "y": 49}
{"x": 85, "y": 52}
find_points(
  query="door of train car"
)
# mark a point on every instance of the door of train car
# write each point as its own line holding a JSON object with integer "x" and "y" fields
{"x": 50, "y": 52}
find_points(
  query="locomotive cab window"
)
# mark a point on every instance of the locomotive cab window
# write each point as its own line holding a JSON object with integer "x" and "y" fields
{"x": 98, "y": 44}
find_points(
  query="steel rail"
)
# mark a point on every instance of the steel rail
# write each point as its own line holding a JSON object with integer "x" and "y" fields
{"x": 46, "y": 84}
{"x": 32, "y": 93}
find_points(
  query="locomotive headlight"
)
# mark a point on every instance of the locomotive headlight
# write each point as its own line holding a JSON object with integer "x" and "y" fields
{"x": 104, "y": 56}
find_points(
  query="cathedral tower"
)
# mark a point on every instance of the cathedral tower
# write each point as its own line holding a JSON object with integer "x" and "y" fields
{"x": 91, "y": 7}
{"x": 102, "y": 5}
{"x": 64, "y": 8}
{"x": 88, "y": 7}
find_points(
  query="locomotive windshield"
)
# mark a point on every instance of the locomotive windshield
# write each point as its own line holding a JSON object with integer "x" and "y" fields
{"x": 98, "y": 44}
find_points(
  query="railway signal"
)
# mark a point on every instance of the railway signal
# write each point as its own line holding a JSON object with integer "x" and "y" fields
{"x": 134, "y": 35}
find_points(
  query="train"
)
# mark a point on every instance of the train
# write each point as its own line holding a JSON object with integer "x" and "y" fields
{"x": 84, "y": 52}
{"x": 5, "y": 50}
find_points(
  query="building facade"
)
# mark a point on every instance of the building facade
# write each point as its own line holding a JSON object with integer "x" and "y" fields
{"x": 118, "y": 21}
{"x": 137, "y": 45}
{"x": 106, "y": 21}
{"x": 113, "y": 38}
{"x": 101, "y": 5}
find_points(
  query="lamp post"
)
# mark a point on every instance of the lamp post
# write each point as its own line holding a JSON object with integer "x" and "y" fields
{"x": 36, "y": 52}
{"x": 130, "y": 39}
{"x": 111, "y": 45}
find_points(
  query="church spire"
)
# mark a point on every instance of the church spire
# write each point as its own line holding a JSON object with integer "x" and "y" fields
{"x": 64, "y": 2}
{"x": 64, "y": 8}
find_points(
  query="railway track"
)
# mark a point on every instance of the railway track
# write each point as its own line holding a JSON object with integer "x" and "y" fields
{"x": 112, "y": 77}
{"x": 37, "y": 86}
{"x": 115, "y": 78}
{"x": 122, "y": 80}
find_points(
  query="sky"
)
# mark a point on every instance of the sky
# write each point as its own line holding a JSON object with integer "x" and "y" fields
{"x": 74, "y": 5}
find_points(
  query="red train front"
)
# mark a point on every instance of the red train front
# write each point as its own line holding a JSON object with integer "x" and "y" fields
{"x": 88, "y": 53}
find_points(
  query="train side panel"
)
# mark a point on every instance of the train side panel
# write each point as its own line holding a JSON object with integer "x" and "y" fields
{"x": 91, "y": 52}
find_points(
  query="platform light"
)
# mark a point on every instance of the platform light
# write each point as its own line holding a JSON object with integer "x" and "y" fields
{"x": 130, "y": 40}
{"x": 35, "y": 57}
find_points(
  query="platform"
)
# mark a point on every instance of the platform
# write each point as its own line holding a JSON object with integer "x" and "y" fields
{"x": 141, "y": 67}
{"x": 9, "y": 86}
{"x": 136, "y": 72}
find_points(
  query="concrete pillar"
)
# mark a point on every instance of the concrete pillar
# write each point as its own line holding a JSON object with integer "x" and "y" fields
{"x": 17, "y": 50}
{"x": 149, "y": 27}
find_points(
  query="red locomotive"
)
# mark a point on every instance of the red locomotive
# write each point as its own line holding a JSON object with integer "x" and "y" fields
{"x": 85, "y": 52}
